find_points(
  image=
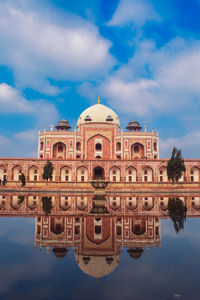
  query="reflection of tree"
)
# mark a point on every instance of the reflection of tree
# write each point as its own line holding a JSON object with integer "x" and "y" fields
{"x": 135, "y": 252}
{"x": 21, "y": 199}
{"x": 177, "y": 212}
{"x": 46, "y": 205}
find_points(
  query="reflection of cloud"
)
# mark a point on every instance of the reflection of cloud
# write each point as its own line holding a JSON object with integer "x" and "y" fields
{"x": 34, "y": 269}
{"x": 189, "y": 233}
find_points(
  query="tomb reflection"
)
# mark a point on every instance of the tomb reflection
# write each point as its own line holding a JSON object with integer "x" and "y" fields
{"x": 97, "y": 226}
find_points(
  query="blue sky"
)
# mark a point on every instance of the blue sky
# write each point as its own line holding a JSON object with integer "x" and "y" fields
{"x": 142, "y": 57}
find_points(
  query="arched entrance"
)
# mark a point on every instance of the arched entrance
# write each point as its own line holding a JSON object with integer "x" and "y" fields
{"x": 98, "y": 173}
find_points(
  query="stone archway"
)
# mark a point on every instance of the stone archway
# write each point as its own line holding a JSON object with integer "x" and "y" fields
{"x": 98, "y": 173}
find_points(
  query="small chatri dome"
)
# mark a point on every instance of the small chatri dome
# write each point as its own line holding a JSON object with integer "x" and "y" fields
{"x": 134, "y": 126}
{"x": 59, "y": 252}
{"x": 63, "y": 125}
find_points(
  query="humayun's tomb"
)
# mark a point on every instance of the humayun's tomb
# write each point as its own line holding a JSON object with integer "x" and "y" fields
{"x": 98, "y": 149}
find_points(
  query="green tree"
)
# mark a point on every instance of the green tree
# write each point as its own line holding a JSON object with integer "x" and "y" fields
{"x": 177, "y": 212}
{"x": 175, "y": 166}
{"x": 48, "y": 171}
{"x": 46, "y": 205}
{"x": 23, "y": 179}
{"x": 21, "y": 199}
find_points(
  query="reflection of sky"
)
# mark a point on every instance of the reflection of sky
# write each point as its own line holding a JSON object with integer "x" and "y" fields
{"x": 27, "y": 273}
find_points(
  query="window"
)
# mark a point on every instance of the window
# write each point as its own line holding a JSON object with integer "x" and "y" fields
{"x": 130, "y": 178}
{"x": 82, "y": 178}
{"x": 41, "y": 146}
{"x": 145, "y": 172}
{"x": 35, "y": 171}
{"x": 97, "y": 229}
{"x": 35, "y": 177}
{"x": 60, "y": 148}
{"x": 145, "y": 178}
{"x": 118, "y": 146}
{"x": 78, "y": 146}
{"x": 82, "y": 172}
{"x": 119, "y": 231}
{"x": 161, "y": 178}
{"x": 136, "y": 149}
{"x": 114, "y": 171}
{"x": 157, "y": 230}
{"x": 98, "y": 147}
{"x": 191, "y": 172}
{"x": 155, "y": 146}
{"x": 161, "y": 172}
{"x": 77, "y": 229}
{"x": 67, "y": 178}
{"x": 66, "y": 171}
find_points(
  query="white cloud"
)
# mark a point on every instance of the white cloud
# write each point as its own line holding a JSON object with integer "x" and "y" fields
{"x": 38, "y": 47}
{"x": 21, "y": 144}
{"x": 133, "y": 11}
{"x": 41, "y": 114}
{"x": 189, "y": 144}
{"x": 164, "y": 81}
{"x": 13, "y": 102}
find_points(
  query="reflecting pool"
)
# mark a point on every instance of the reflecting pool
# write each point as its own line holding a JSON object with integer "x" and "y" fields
{"x": 85, "y": 246}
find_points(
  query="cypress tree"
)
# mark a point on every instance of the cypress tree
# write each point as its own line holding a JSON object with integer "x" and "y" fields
{"x": 175, "y": 166}
{"x": 48, "y": 171}
{"x": 23, "y": 179}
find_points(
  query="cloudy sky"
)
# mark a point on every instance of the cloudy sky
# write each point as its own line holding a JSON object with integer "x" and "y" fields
{"x": 142, "y": 57}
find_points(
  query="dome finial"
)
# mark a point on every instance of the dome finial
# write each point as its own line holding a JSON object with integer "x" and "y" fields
{"x": 98, "y": 100}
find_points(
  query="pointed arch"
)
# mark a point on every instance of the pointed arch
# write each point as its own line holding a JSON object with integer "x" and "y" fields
{"x": 131, "y": 174}
{"x": 115, "y": 174}
{"x": 66, "y": 173}
{"x": 147, "y": 174}
{"x": 137, "y": 151}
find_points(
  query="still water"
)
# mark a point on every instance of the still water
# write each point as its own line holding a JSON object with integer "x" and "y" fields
{"x": 71, "y": 254}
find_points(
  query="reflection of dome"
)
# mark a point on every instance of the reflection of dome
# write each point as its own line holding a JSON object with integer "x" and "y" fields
{"x": 134, "y": 126}
{"x": 59, "y": 252}
{"x": 97, "y": 266}
{"x": 63, "y": 125}
{"x": 98, "y": 113}
{"x": 135, "y": 252}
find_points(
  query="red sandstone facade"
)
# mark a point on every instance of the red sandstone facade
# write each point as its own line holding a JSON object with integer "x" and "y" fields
{"x": 96, "y": 150}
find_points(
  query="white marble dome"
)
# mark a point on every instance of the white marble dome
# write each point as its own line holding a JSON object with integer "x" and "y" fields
{"x": 98, "y": 113}
{"x": 98, "y": 266}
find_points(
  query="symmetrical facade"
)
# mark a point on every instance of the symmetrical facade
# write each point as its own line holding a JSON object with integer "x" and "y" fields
{"x": 98, "y": 149}
{"x": 98, "y": 136}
